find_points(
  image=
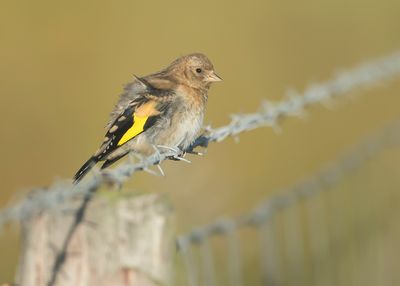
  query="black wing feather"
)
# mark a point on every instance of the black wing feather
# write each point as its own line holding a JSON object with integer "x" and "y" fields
{"x": 84, "y": 169}
{"x": 113, "y": 137}
{"x": 122, "y": 124}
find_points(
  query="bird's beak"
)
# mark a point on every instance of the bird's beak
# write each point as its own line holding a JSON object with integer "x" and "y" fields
{"x": 213, "y": 77}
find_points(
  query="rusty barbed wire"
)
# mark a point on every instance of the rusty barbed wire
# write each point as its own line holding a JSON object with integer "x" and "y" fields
{"x": 363, "y": 76}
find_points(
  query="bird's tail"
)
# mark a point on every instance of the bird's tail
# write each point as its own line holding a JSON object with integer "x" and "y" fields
{"x": 84, "y": 169}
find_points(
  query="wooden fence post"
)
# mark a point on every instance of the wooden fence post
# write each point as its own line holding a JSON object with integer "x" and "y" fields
{"x": 128, "y": 241}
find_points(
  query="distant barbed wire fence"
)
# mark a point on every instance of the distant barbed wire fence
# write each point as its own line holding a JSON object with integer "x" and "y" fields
{"x": 271, "y": 114}
{"x": 203, "y": 272}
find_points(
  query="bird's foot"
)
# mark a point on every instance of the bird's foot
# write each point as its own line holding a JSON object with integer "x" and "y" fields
{"x": 173, "y": 149}
{"x": 179, "y": 157}
{"x": 179, "y": 154}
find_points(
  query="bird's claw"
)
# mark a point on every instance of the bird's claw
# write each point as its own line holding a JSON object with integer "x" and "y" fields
{"x": 179, "y": 158}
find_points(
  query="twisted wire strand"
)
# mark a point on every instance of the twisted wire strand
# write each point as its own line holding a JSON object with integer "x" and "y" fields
{"x": 365, "y": 75}
{"x": 262, "y": 215}
{"x": 323, "y": 181}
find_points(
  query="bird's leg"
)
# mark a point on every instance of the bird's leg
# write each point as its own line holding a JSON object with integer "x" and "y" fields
{"x": 174, "y": 149}
{"x": 179, "y": 156}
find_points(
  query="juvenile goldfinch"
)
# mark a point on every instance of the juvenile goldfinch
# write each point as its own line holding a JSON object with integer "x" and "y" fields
{"x": 162, "y": 109}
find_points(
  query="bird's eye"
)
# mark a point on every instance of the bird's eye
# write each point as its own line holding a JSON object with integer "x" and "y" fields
{"x": 199, "y": 70}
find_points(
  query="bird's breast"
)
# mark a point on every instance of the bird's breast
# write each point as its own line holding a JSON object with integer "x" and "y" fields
{"x": 182, "y": 124}
{"x": 185, "y": 126}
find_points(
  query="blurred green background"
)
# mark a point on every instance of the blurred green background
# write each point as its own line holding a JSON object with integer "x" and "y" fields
{"x": 63, "y": 64}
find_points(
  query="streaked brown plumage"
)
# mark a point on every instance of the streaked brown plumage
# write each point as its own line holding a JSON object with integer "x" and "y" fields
{"x": 162, "y": 109}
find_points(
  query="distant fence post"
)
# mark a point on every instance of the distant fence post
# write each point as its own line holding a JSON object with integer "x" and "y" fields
{"x": 128, "y": 241}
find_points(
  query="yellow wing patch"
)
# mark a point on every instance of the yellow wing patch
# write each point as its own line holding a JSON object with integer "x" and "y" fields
{"x": 137, "y": 127}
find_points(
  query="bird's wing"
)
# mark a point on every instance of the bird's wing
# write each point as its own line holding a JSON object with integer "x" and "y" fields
{"x": 139, "y": 115}
{"x": 136, "y": 90}
{"x": 139, "y": 108}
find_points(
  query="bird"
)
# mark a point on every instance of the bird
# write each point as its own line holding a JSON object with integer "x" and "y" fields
{"x": 161, "y": 109}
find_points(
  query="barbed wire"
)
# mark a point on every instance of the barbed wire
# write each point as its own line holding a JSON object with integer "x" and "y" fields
{"x": 323, "y": 181}
{"x": 362, "y": 76}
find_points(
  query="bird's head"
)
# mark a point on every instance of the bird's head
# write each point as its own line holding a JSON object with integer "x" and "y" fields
{"x": 194, "y": 70}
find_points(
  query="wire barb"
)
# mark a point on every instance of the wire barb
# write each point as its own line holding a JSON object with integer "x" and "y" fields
{"x": 262, "y": 216}
{"x": 365, "y": 75}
